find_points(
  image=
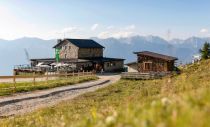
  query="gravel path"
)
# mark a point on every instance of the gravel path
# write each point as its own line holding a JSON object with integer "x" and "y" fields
{"x": 27, "y": 102}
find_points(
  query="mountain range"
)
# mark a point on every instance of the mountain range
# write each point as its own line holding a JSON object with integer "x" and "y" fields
{"x": 13, "y": 51}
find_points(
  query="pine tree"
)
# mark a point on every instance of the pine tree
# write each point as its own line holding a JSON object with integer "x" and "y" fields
{"x": 205, "y": 51}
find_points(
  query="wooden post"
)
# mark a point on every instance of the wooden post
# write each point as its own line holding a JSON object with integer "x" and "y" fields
{"x": 87, "y": 74}
{"x": 78, "y": 75}
{"x": 73, "y": 73}
{"x": 83, "y": 73}
{"x": 47, "y": 78}
{"x": 34, "y": 78}
{"x": 66, "y": 74}
{"x": 47, "y": 75}
{"x": 14, "y": 81}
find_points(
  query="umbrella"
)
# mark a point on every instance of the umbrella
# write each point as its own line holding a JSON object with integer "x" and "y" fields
{"x": 42, "y": 65}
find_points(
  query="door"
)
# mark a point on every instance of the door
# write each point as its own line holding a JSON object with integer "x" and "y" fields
{"x": 148, "y": 66}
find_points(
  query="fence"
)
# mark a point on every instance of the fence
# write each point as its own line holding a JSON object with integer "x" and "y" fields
{"x": 143, "y": 76}
{"x": 14, "y": 80}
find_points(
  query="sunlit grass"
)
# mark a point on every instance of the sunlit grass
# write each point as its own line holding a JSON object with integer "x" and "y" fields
{"x": 180, "y": 101}
{"x": 8, "y": 88}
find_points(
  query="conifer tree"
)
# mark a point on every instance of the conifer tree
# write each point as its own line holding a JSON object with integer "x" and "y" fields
{"x": 205, "y": 51}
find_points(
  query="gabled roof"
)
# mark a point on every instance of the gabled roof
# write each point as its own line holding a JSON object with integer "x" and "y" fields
{"x": 156, "y": 55}
{"x": 73, "y": 60}
{"x": 82, "y": 43}
{"x": 131, "y": 63}
{"x": 105, "y": 59}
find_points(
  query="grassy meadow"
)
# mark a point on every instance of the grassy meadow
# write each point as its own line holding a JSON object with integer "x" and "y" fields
{"x": 8, "y": 88}
{"x": 179, "y": 101}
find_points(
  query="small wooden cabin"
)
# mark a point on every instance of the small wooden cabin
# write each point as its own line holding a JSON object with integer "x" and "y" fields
{"x": 154, "y": 62}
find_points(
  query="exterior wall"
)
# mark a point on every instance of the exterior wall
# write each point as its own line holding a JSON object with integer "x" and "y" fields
{"x": 155, "y": 64}
{"x": 34, "y": 63}
{"x": 132, "y": 68}
{"x": 84, "y": 66}
{"x": 113, "y": 66}
{"x": 170, "y": 66}
{"x": 68, "y": 51}
{"x": 90, "y": 52}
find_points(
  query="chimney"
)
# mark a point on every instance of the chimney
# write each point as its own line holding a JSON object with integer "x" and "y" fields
{"x": 58, "y": 41}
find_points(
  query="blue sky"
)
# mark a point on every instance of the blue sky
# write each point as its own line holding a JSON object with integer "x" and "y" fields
{"x": 49, "y": 19}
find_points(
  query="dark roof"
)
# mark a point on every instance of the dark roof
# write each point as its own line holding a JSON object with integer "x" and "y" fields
{"x": 156, "y": 55}
{"x": 105, "y": 59}
{"x": 82, "y": 43}
{"x": 131, "y": 63}
{"x": 61, "y": 60}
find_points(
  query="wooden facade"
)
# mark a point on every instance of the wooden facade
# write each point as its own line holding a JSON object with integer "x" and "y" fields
{"x": 154, "y": 62}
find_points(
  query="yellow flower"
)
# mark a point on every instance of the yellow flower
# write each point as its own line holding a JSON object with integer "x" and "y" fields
{"x": 93, "y": 112}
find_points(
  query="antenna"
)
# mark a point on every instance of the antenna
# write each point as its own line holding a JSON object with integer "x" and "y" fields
{"x": 196, "y": 45}
{"x": 64, "y": 35}
{"x": 170, "y": 46}
{"x": 27, "y": 55}
{"x": 168, "y": 34}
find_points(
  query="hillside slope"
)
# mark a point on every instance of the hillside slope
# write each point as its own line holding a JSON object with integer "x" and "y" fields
{"x": 182, "y": 100}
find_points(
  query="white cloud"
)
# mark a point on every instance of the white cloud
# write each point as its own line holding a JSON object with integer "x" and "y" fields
{"x": 123, "y": 34}
{"x": 114, "y": 32}
{"x": 104, "y": 35}
{"x": 94, "y": 27}
{"x": 70, "y": 30}
{"x": 110, "y": 27}
{"x": 131, "y": 27}
{"x": 204, "y": 30}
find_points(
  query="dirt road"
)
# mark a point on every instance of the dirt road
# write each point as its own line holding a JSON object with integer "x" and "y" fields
{"x": 27, "y": 102}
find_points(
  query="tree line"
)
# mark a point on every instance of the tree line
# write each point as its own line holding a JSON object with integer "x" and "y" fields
{"x": 205, "y": 51}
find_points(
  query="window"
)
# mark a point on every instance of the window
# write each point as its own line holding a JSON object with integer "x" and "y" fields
{"x": 65, "y": 56}
{"x": 108, "y": 64}
{"x": 69, "y": 47}
{"x": 64, "y": 47}
{"x": 148, "y": 66}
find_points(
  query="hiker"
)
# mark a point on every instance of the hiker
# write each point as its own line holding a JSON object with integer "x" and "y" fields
{"x": 102, "y": 70}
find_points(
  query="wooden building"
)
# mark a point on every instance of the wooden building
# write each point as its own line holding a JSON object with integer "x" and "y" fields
{"x": 154, "y": 62}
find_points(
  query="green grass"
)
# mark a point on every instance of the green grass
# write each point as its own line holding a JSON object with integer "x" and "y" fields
{"x": 8, "y": 88}
{"x": 179, "y": 101}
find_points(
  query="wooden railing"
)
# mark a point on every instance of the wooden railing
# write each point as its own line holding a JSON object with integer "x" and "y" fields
{"x": 143, "y": 76}
{"x": 13, "y": 80}
{"x": 46, "y": 75}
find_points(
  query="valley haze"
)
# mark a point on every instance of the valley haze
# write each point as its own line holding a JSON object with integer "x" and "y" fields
{"x": 12, "y": 51}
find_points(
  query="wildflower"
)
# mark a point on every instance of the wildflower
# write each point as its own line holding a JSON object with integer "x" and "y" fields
{"x": 93, "y": 112}
{"x": 165, "y": 101}
{"x": 153, "y": 103}
{"x": 110, "y": 120}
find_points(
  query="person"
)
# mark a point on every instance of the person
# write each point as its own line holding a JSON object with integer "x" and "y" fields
{"x": 102, "y": 70}
{"x": 81, "y": 69}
